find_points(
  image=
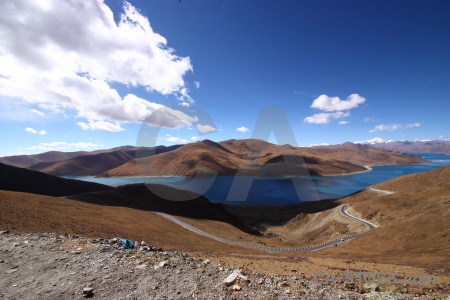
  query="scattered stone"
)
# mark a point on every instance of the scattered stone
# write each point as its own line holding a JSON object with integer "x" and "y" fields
{"x": 231, "y": 278}
{"x": 88, "y": 292}
{"x": 371, "y": 287}
{"x": 4, "y": 232}
{"x": 206, "y": 261}
{"x": 236, "y": 287}
{"x": 142, "y": 267}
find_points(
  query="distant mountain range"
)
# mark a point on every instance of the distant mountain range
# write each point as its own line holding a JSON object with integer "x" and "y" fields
{"x": 259, "y": 158}
{"x": 249, "y": 157}
{"x": 417, "y": 146}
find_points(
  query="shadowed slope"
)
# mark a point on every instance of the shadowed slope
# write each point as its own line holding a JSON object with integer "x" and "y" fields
{"x": 23, "y": 180}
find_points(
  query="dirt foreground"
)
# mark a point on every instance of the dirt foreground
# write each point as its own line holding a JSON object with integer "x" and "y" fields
{"x": 54, "y": 266}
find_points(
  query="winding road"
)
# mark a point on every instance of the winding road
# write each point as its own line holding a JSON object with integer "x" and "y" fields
{"x": 274, "y": 250}
{"x": 382, "y": 191}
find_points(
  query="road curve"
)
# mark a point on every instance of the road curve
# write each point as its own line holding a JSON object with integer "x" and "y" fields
{"x": 382, "y": 191}
{"x": 269, "y": 249}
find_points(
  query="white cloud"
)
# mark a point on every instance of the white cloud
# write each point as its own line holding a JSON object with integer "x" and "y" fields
{"x": 57, "y": 146}
{"x": 69, "y": 62}
{"x": 39, "y": 113}
{"x": 393, "y": 127}
{"x": 197, "y": 84}
{"x": 101, "y": 125}
{"x": 367, "y": 119}
{"x": 413, "y": 125}
{"x": 177, "y": 140}
{"x": 318, "y": 145}
{"x": 242, "y": 129}
{"x": 325, "y": 103}
{"x": 202, "y": 129}
{"x": 343, "y": 122}
{"x": 33, "y": 131}
{"x": 324, "y": 118}
{"x": 376, "y": 140}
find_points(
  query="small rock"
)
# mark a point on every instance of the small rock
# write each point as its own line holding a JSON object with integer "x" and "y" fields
{"x": 236, "y": 287}
{"x": 163, "y": 264}
{"x": 371, "y": 287}
{"x": 206, "y": 261}
{"x": 88, "y": 292}
{"x": 142, "y": 267}
{"x": 4, "y": 232}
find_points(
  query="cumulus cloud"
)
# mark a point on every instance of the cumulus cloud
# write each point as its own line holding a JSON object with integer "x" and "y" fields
{"x": 67, "y": 53}
{"x": 393, "y": 127}
{"x": 324, "y": 118}
{"x": 376, "y": 140}
{"x": 334, "y": 108}
{"x": 58, "y": 146}
{"x": 33, "y": 131}
{"x": 242, "y": 129}
{"x": 202, "y": 129}
{"x": 325, "y": 103}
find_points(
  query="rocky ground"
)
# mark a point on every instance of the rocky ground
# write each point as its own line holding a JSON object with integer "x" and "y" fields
{"x": 53, "y": 266}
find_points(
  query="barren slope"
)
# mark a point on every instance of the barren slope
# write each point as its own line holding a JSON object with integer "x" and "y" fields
{"x": 84, "y": 165}
{"x": 250, "y": 157}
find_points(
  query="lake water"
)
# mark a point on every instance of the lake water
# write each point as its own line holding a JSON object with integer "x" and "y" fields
{"x": 286, "y": 190}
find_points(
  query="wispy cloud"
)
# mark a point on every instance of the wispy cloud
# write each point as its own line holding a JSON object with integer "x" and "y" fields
{"x": 242, "y": 129}
{"x": 33, "y": 131}
{"x": 39, "y": 113}
{"x": 59, "y": 146}
{"x": 175, "y": 140}
{"x": 393, "y": 127}
{"x": 343, "y": 122}
{"x": 101, "y": 125}
{"x": 367, "y": 119}
{"x": 324, "y": 118}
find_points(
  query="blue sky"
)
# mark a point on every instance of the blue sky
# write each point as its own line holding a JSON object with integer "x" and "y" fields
{"x": 81, "y": 77}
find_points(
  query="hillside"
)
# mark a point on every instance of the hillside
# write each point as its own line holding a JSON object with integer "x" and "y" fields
{"x": 26, "y": 161}
{"x": 417, "y": 146}
{"x": 24, "y": 180}
{"x": 418, "y": 210}
{"x": 84, "y": 165}
{"x": 251, "y": 157}
{"x": 363, "y": 154}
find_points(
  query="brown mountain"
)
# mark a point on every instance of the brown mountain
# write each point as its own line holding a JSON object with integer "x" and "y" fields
{"x": 363, "y": 154}
{"x": 417, "y": 146}
{"x": 84, "y": 165}
{"x": 25, "y": 161}
{"x": 251, "y": 157}
{"x": 24, "y": 180}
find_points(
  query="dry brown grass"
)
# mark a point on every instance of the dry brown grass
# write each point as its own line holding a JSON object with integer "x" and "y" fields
{"x": 412, "y": 237}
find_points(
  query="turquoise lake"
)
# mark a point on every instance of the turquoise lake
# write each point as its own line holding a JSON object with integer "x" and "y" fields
{"x": 286, "y": 190}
